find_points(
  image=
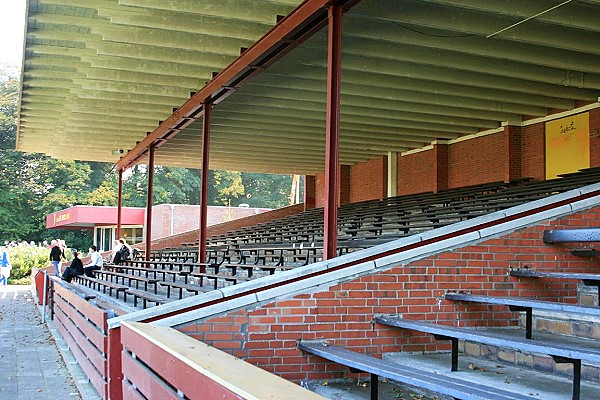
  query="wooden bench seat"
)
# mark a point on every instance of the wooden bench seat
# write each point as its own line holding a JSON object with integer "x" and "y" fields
{"x": 554, "y": 236}
{"x": 130, "y": 278}
{"x": 526, "y": 305}
{"x": 587, "y": 279}
{"x": 250, "y": 268}
{"x": 181, "y": 286}
{"x": 216, "y": 277}
{"x": 585, "y": 252}
{"x": 442, "y": 384}
{"x": 147, "y": 271}
{"x": 96, "y": 284}
{"x": 145, "y": 297}
{"x": 559, "y": 352}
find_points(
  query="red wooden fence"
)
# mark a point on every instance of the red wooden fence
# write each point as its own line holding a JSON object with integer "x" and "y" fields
{"x": 83, "y": 327}
{"x": 163, "y": 363}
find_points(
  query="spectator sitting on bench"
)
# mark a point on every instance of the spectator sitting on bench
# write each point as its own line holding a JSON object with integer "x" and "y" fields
{"x": 114, "y": 257}
{"x": 76, "y": 268}
{"x": 122, "y": 253}
{"x": 96, "y": 262}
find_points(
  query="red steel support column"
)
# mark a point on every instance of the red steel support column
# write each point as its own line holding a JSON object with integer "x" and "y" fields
{"x": 149, "y": 202}
{"x": 204, "y": 181}
{"x": 120, "y": 204}
{"x": 332, "y": 155}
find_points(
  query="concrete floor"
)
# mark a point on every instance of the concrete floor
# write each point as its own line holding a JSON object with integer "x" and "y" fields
{"x": 361, "y": 390}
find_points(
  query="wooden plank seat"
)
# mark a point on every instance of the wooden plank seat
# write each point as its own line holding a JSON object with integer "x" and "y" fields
{"x": 442, "y": 384}
{"x": 216, "y": 278}
{"x": 587, "y": 279}
{"x": 145, "y": 297}
{"x": 250, "y": 268}
{"x": 181, "y": 286}
{"x": 96, "y": 284}
{"x": 171, "y": 268}
{"x": 560, "y": 353}
{"x": 147, "y": 271}
{"x": 586, "y": 252}
{"x": 553, "y": 236}
{"x": 137, "y": 279}
{"x": 401, "y": 228}
{"x": 526, "y": 305}
{"x": 278, "y": 254}
{"x": 168, "y": 266}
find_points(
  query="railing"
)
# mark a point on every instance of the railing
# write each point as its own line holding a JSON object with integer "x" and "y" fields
{"x": 162, "y": 363}
{"x": 83, "y": 327}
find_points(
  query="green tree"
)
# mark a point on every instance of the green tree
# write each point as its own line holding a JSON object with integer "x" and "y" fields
{"x": 176, "y": 186}
{"x": 267, "y": 190}
{"x": 34, "y": 185}
{"x": 225, "y": 188}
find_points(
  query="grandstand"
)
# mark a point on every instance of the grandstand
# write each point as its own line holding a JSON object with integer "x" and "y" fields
{"x": 452, "y": 201}
{"x": 296, "y": 241}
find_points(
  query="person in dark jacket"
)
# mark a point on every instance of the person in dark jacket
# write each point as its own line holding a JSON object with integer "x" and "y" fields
{"x": 56, "y": 254}
{"x": 76, "y": 268}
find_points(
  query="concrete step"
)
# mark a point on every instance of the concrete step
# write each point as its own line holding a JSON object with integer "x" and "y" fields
{"x": 578, "y": 326}
{"x": 537, "y": 384}
{"x": 538, "y": 362}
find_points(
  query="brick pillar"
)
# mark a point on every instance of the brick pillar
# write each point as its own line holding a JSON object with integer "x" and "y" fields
{"x": 440, "y": 168}
{"x": 310, "y": 190}
{"x": 514, "y": 156}
{"x": 344, "y": 184}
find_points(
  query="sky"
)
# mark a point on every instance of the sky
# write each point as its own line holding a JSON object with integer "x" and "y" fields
{"x": 12, "y": 25}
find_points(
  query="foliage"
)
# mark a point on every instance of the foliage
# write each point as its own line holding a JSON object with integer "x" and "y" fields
{"x": 176, "y": 186}
{"x": 9, "y": 89}
{"x": 269, "y": 191}
{"x": 105, "y": 195}
{"x": 226, "y": 187}
{"x": 23, "y": 258}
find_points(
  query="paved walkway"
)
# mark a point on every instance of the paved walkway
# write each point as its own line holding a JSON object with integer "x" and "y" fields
{"x": 30, "y": 363}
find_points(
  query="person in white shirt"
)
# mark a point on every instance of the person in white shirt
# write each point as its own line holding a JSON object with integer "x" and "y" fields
{"x": 96, "y": 262}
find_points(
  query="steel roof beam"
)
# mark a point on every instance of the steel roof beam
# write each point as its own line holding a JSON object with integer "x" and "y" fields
{"x": 301, "y": 23}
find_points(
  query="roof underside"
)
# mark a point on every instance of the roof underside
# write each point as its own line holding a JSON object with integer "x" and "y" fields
{"x": 99, "y": 76}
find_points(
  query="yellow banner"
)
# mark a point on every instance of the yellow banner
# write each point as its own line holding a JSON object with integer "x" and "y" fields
{"x": 567, "y": 145}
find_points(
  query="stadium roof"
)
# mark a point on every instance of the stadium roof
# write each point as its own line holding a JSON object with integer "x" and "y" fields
{"x": 99, "y": 76}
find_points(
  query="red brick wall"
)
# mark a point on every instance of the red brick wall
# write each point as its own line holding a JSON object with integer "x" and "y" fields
{"x": 533, "y": 158}
{"x": 320, "y": 190}
{"x": 512, "y": 134}
{"x": 515, "y": 153}
{"x": 478, "y": 160}
{"x": 368, "y": 180}
{"x": 365, "y": 181}
{"x": 415, "y": 172}
{"x": 342, "y": 315}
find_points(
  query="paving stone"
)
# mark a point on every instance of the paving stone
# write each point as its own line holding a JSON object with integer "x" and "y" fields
{"x": 33, "y": 367}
